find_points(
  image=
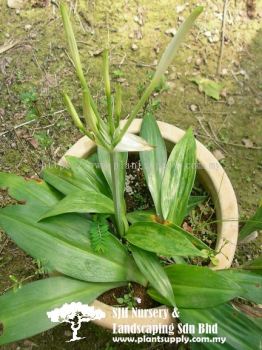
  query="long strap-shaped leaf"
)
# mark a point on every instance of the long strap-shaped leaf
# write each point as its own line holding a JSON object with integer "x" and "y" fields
{"x": 89, "y": 173}
{"x": 62, "y": 242}
{"x": 24, "y": 313}
{"x": 151, "y": 268}
{"x": 84, "y": 175}
{"x": 104, "y": 160}
{"x": 153, "y": 162}
{"x": 113, "y": 166}
{"x": 82, "y": 202}
{"x": 149, "y": 216}
{"x": 179, "y": 179}
{"x": 249, "y": 281}
{"x": 161, "y": 240}
{"x": 198, "y": 287}
{"x": 239, "y": 331}
{"x": 51, "y": 244}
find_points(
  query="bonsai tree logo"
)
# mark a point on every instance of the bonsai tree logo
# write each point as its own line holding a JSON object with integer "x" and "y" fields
{"x": 75, "y": 314}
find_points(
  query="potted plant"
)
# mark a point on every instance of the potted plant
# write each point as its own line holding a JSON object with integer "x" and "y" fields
{"x": 74, "y": 221}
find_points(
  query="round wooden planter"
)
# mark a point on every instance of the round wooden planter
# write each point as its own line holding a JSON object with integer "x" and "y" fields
{"x": 216, "y": 182}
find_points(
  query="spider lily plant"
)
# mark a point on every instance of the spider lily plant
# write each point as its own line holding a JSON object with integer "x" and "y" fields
{"x": 74, "y": 221}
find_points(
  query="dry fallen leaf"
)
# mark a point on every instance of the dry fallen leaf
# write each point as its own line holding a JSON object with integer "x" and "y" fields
{"x": 247, "y": 143}
{"x": 34, "y": 143}
{"x": 96, "y": 52}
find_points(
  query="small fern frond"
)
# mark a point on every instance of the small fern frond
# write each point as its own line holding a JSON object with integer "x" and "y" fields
{"x": 99, "y": 233}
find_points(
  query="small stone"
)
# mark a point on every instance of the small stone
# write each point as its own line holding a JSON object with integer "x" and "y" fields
{"x": 230, "y": 101}
{"x": 193, "y": 108}
{"x": 181, "y": 18}
{"x": 215, "y": 38}
{"x": 136, "y": 19}
{"x": 198, "y": 61}
{"x": 171, "y": 31}
{"x": 224, "y": 72}
{"x": 134, "y": 47}
{"x": 28, "y": 27}
{"x": 180, "y": 8}
{"x": 208, "y": 34}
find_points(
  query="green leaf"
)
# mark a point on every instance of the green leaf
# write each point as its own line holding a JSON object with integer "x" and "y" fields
{"x": 149, "y": 265}
{"x": 179, "y": 179}
{"x": 89, "y": 173}
{"x": 153, "y": 162}
{"x": 141, "y": 215}
{"x": 254, "y": 265}
{"x": 63, "y": 179}
{"x": 240, "y": 331}
{"x": 251, "y": 283}
{"x": 198, "y": 287}
{"x": 104, "y": 160}
{"x": 253, "y": 224}
{"x": 83, "y": 175}
{"x": 56, "y": 239}
{"x": 209, "y": 87}
{"x": 81, "y": 202}
{"x": 161, "y": 240}
{"x": 190, "y": 236}
{"x": 29, "y": 191}
{"x": 24, "y": 313}
{"x": 150, "y": 216}
{"x": 99, "y": 233}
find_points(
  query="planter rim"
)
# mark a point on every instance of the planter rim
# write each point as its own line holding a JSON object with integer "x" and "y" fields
{"x": 213, "y": 177}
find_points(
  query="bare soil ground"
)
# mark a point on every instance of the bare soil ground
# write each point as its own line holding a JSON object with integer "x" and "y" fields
{"x": 35, "y": 129}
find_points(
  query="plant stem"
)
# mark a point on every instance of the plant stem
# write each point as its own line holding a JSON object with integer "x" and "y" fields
{"x": 108, "y": 91}
{"x": 116, "y": 194}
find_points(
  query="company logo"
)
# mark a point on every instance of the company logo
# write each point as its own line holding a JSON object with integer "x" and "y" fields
{"x": 75, "y": 314}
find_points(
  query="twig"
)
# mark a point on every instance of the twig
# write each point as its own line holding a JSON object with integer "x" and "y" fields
{"x": 17, "y": 127}
{"x": 9, "y": 45}
{"x": 31, "y": 121}
{"x": 209, "y": 136}
{"x": 212, "y": 131}
{"x": 221, "y": 50}
{"x": 145, "y": 65}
